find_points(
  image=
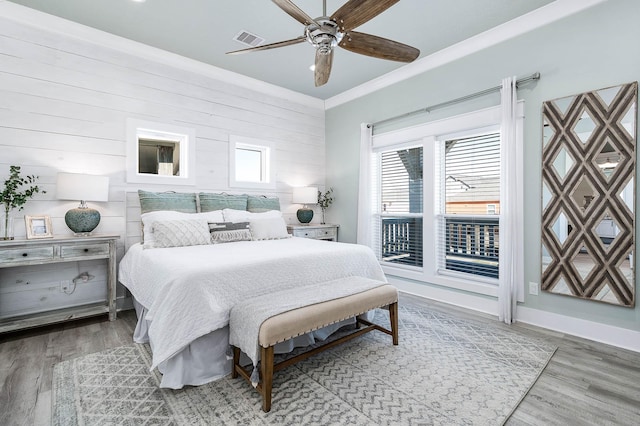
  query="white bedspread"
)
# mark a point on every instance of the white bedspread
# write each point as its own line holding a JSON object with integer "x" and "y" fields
{"x": 189, "y": 291}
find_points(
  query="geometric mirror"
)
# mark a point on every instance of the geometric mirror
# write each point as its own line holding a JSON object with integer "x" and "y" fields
{"x": 588, "y": 195}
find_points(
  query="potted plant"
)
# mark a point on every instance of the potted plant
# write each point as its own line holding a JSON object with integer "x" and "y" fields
{"x": 15, "y": 195}
{"x": 324, "y": 201}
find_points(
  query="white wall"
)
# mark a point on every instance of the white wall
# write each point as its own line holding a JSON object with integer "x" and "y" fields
{"x": 64, "y": 102}
{"x": 583, "y": 52}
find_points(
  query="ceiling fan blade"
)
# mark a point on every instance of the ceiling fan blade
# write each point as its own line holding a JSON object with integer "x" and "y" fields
{"x": 354, "y": 13}
{"x": 378, "y": 47}
{"x": 269, "y": 46}
{"x": 323, "y": 67}
{"x": 293, "y": 10}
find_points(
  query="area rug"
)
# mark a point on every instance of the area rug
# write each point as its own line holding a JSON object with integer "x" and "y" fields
{"x": 446, "y": 371}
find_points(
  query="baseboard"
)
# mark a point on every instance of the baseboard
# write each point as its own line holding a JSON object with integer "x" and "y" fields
{"x": 455, "y": 298}
{"x": 616, "y": 336}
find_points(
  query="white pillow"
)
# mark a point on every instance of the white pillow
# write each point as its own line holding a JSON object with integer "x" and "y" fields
{"x": 181, "y": 233}
{"x": 268, "y": 229}
{"x": 235, "y": 216}
{"x": 148, "y": 219}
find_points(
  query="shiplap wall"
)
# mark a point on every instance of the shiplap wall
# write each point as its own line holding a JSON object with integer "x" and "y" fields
{"x": 64, "y": 103}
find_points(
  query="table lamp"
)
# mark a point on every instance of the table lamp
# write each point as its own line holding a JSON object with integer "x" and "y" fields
{"x": 305, "y": 195}
{"x": 81, "y": 187}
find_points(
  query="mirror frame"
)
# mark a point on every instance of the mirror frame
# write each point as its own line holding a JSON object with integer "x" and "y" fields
{"x": 185, "y": 136}
{"x": 571, "y": 227}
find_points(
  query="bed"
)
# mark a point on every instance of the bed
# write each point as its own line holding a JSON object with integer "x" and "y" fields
{"x": 183, "y": 293}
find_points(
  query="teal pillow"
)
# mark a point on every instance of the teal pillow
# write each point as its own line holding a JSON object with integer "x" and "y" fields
{"x": 173, "y": 201}
{"x": 210, "y": 202}
{"x": 262, "y": 204}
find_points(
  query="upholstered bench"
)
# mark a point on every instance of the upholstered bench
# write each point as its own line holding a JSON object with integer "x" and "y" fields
{"x": 311, "y": 316}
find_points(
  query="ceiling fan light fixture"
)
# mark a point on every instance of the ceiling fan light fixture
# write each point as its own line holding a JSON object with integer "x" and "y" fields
{"x": 323, "y": 34}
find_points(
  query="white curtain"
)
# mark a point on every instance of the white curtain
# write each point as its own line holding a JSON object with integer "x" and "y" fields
{"x": 364, "y": 191}
{"x": 510, "y": 184}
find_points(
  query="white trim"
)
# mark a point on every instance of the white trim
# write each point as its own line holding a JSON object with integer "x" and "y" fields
{"x": 603, "y": 333}
{"x": 554, "y": 11}
{"x": 68, "y": 28}
{"x": 608, "y": 334}
{"x": 528, "y": 22}
{"x": 455, "y": 298}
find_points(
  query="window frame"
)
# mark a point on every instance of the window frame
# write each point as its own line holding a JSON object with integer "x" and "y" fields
{"x": 428, "y": 134}
{"x": 379, "y": 215}
{"x": 267, "y": 161}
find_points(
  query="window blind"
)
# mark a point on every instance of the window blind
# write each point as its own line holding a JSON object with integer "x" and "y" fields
{"x": 401, "y": 206}
{"x": 468, "y": 202}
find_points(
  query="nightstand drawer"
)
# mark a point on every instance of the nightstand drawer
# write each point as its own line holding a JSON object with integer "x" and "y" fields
{"x": 305, "y": 233}
{"x": 26, "y": 254}
{"x": 326, "y": 233}
{"x": 79, "y": 250}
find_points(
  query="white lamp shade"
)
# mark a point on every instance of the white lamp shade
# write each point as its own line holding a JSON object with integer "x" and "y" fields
{"x": 82, "y": 187}
{"x": 305, "y": 195}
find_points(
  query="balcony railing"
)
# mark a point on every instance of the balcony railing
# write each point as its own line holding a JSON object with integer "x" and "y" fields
{"x": 470, "y": 246}
{"x": 402, "y": 240}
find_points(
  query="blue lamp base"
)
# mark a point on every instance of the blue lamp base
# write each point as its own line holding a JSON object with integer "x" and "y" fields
{"x": 304, "y": 215}
{"x": 82, "y": 221}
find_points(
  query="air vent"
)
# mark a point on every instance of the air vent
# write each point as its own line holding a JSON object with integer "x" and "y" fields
{"x": 249, "y": 39}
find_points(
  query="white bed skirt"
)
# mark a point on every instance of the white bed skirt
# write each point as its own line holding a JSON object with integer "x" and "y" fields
{"x": 205, "y": 359}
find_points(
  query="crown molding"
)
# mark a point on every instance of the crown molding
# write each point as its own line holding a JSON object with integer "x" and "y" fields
{"x": 54, "y": 24}
{"x": 535, "y": 19}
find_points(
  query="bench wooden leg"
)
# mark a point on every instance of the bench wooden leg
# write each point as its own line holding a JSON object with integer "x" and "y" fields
{"x": 393, "y": 317}
{"x": 266, "y": 363}
{"x": 236, "y": 362}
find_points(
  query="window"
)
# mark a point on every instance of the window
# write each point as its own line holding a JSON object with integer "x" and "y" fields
{"x": 401, "y": 206}
{"x": 250, "y": 163}
{"x": 467, "y": 232}
{"x": 432, "y": 213}
{"x": 160, "y": 153}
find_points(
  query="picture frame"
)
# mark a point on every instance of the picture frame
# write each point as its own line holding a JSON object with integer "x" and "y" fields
{"x": 38, "y": 227}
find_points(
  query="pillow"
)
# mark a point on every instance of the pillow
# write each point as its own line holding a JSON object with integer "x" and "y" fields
{"x": 227, "y": 232}
{"x": 262, "y": 204}
{"x": 210, "y": 202}
{"x": 269, "y": 229}
{"x": 148, "y": 219}
{"x": 231, "y": 215}
{"x": 175, "y": 201}
{"x": 181, "y": 233}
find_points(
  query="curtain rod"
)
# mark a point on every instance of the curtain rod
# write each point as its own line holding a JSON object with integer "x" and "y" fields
{"x": 532, "y": 77}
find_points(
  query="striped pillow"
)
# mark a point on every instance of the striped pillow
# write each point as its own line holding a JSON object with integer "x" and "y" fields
{"x": 226, "y": 232}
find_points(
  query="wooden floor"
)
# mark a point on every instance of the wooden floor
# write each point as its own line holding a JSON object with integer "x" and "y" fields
{"x": 585, "y": 383}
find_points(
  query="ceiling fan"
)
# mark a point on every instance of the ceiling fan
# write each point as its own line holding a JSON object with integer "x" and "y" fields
{"x": 326, "y": 32}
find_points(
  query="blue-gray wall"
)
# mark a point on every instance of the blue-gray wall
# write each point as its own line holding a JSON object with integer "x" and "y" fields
{"x": 594, "y": 49}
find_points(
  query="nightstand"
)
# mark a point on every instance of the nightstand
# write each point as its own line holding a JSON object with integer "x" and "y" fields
{"x": 27, "y": 253}
{"x": 327, "y": 231}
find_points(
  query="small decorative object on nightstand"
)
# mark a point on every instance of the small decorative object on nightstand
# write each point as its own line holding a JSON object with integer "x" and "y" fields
{"x": 326, "y": 231}
{"x": 305, "y": 195}
{"x": 80, "y": 187}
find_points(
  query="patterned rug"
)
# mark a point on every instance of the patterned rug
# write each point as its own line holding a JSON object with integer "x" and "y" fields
{"x": 446, "y": 371}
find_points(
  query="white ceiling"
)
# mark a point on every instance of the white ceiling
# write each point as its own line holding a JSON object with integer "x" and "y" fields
{"x": 203, "y": 30}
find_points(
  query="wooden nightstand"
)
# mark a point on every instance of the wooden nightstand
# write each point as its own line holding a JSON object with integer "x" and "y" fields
{"x": 25, "y": 253}
{"x": 327, "y": 231}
